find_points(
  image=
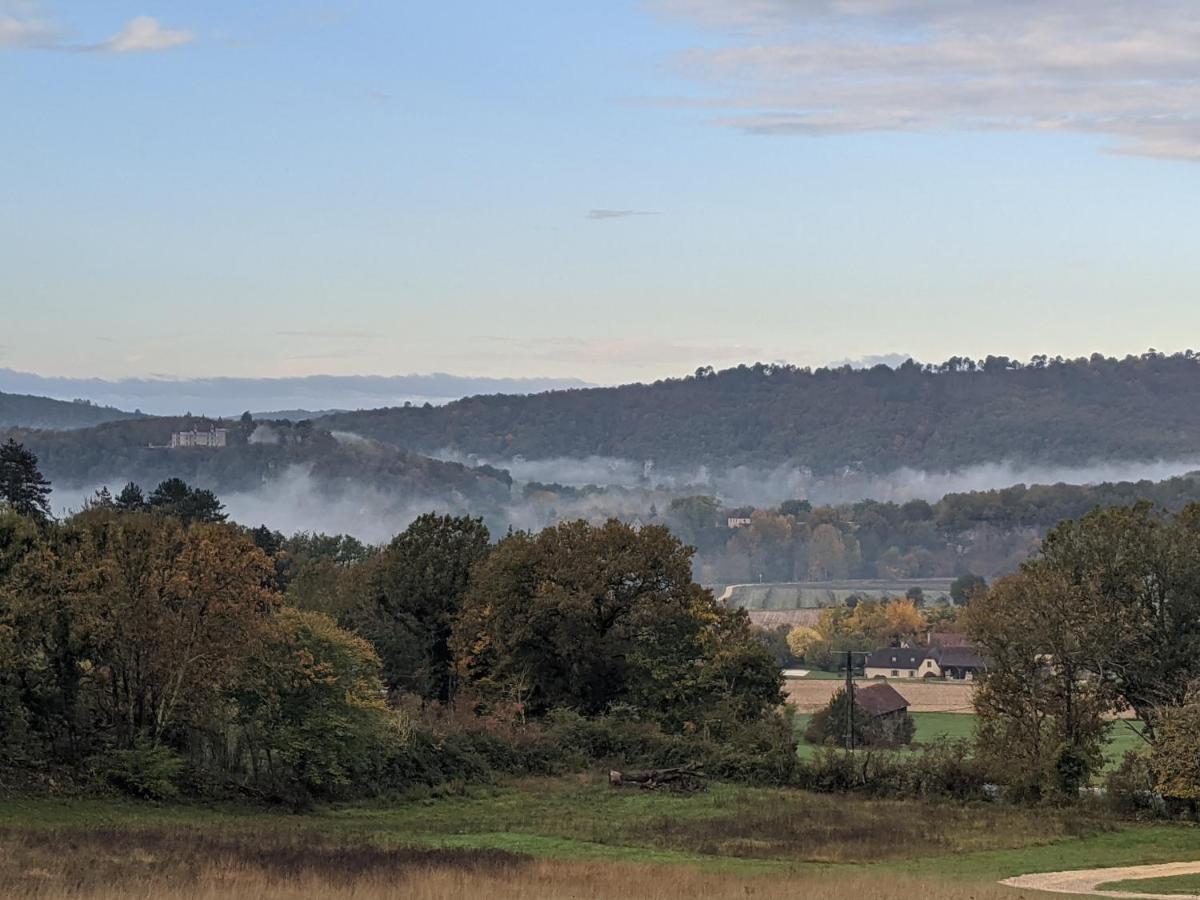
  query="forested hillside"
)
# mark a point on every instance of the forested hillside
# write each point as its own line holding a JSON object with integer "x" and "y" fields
{"x": 26, "y": 411}
{"x": 946, "y": 416}
{"x": 257, "y": 453}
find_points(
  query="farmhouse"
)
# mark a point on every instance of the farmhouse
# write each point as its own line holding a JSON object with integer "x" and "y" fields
{"x": 960, "y": 663}
{"x": 901, "y": 662}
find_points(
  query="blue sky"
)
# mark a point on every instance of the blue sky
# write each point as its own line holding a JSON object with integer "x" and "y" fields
{"x": 609, "y": 190}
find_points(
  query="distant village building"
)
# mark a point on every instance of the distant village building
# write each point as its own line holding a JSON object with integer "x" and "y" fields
{"x": 738, "y": 521}
{"x": 214, "y": 437}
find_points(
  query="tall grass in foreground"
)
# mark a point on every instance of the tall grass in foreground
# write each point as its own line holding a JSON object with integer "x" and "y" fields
{"x": 185, "y": 865}
{"x": 393, "y": 853}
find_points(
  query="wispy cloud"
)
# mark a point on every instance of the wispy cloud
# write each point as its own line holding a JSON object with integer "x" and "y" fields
{"x": 1125, "y": 69}
{"x": 24, "y": 25}
{"x": 21, "y": 25}
{"x": 145, "y": 34}
{"x": 600, "y": 215}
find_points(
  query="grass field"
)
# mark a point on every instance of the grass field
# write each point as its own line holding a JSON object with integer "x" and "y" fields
{"x": 560, "y": 837}
{"x": 1175, "y": 884}
{"x": 931, "y": 726}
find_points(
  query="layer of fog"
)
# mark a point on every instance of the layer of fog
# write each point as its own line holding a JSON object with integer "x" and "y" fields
{"x": 767, "y": 487}
{"x": 231, "y": 396}
{"x": 294, "y": 501}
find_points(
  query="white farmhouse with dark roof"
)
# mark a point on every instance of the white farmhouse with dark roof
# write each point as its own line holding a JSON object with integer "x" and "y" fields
{"x": 956, "y": 663}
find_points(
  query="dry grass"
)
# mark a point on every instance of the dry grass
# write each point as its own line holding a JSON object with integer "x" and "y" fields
{"x": 830, "y": 829}
{"x": 181, "y": 862}
{"x": 185, "y": 865}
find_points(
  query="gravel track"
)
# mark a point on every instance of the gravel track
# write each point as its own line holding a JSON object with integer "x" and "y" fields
{"x": 1084, "y": 881}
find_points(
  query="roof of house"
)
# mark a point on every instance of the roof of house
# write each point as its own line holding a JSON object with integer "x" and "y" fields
{"x": 897, "y": 658}
{"x": 948, "y": 639}
{"x": 880, "y": 699}
{"x": 960, "y": 658}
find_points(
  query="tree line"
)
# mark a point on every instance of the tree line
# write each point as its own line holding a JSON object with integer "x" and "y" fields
{"x": 940, "y": 417}
{"x": 148, "y": 643}
{"x": 986, "y": 532}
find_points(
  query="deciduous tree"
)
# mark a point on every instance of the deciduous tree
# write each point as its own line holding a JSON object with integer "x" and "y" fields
{"x": 800, "y": 638}
{"x": 1042, "y": 701}
{"x": 413, "y": 594}
{"x": 1176, "y": 757}
{"x": 310, "y": 706}
{"x": 585, "y": 617}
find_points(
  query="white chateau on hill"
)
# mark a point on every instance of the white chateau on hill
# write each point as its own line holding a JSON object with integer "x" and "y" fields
{"x": 214, "y": 437}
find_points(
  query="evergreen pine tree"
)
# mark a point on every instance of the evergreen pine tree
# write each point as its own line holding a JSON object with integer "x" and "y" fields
{"x": 22, "y": 486}
{"x": 131, "y": 498}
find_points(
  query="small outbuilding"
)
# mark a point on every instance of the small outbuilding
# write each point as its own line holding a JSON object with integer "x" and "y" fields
{"x": 881, "y": 700}
{"x": 888, "y": 710}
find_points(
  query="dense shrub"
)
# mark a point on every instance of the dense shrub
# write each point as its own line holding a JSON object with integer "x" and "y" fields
{"x": 942, "y": 770}
{"x": 1129, "y": 790}
{"x": 450, "y": 747}
{"x": 149, "y": 772}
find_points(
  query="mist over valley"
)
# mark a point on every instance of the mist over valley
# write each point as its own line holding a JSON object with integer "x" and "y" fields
{"x": 733, "y": 488}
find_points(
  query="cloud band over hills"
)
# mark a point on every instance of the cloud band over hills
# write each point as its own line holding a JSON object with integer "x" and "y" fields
{"x": 230, "y": 396}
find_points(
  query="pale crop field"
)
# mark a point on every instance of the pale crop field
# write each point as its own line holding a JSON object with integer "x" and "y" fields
{"x": 924, "y": 695}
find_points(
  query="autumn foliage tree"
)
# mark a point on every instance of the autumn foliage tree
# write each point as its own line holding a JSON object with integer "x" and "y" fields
{"x": 1139, "y": 571}
{"x": 144, "y": 621}
{"x": 310, "y": 710}
{"x": 587, "y": 617}
{"x": 141, "y": 640}
{"x": 1175, "y": 760}
{"x": 1042, "y": 701}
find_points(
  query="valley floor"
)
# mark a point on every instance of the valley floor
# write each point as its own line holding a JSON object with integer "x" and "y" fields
{"x": 561, "y": 837}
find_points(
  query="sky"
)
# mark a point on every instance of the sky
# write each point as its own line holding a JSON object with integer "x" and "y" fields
{"x": 612, "y": 190}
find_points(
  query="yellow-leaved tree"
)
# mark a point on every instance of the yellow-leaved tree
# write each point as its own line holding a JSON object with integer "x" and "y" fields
{"x": 800, "y": 638}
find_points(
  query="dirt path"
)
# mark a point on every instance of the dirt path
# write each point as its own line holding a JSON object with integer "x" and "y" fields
{"x": 1084, "y": 881}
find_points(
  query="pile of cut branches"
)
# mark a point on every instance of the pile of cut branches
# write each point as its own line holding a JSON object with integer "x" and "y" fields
{"x": 682, "y": 779}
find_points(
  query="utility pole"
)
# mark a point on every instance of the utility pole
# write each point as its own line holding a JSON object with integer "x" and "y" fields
{"x": 850, "y": 701}
{"x": 850, "y": 697}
